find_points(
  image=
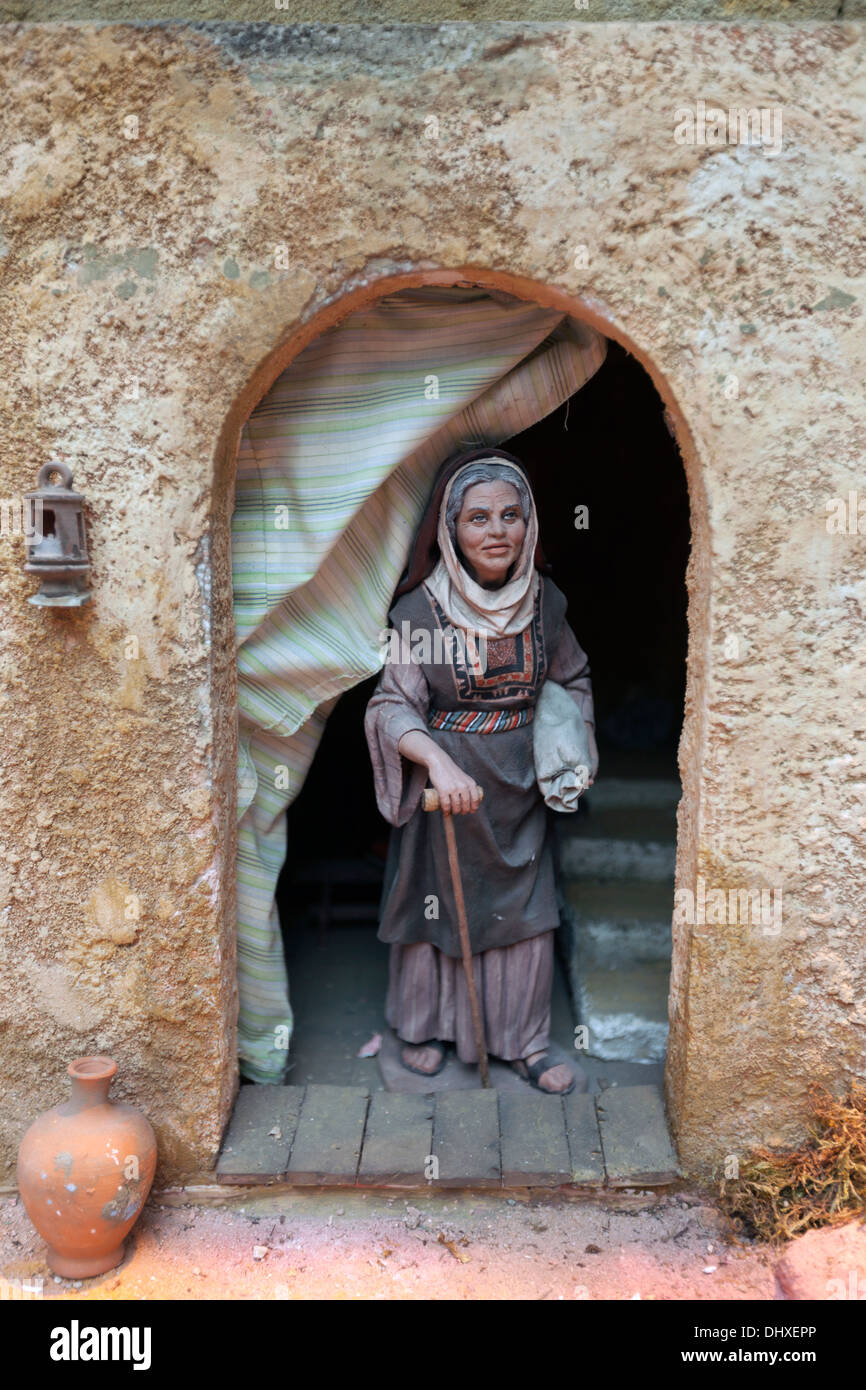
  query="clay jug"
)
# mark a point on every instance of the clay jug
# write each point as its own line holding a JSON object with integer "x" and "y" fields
{"x": 84, "y": 1172}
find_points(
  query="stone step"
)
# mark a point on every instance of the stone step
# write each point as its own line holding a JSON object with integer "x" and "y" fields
{"x": 615, "y": 922}
{"x": 593, "y": 857}
{"x": 617, "y": 863}
{"x": 631, "y": 901}
{"x": 618, "y": 841}
{"x": 625, "y": 1010}
{"x": 340, "y": 1135}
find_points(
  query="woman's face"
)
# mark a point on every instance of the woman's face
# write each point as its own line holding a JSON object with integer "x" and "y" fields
{"x": 490, "y": 530}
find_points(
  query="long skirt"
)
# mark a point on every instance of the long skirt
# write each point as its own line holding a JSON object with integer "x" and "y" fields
{"x": 427, "y": 997}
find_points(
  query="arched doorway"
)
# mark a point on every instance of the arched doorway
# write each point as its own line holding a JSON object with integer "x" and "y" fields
{"x": 658, "y": 705}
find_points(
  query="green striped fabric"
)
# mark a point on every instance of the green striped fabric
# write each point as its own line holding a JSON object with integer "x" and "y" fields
{"x": 334, "y": 468}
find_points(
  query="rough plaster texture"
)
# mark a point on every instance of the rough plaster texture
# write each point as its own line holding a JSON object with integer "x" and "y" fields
{"x": 425, "y": 11}
{"x": 151, "y": 260}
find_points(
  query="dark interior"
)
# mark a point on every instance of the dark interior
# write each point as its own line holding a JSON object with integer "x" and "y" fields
{"x": 607, "y": 449}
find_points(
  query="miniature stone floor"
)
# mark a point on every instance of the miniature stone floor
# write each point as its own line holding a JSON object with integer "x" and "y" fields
{"x": 345, "y": 1120}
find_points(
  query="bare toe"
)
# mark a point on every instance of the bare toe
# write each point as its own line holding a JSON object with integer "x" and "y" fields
{"x": 424, "y": 1059}
{"x": 555, "y": 1079}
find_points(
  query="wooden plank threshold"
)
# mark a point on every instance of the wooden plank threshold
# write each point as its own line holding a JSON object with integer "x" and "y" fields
{"x": 341, "y": 1136}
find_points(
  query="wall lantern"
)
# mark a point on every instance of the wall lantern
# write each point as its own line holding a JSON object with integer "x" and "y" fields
{"x": 56, "y": 545}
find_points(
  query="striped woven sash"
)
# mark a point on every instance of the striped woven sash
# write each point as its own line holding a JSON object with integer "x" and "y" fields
{"x": 471, "y": 721}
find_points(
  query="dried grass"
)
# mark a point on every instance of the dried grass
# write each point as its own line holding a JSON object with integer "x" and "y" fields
{"x": 779, "y": 1194}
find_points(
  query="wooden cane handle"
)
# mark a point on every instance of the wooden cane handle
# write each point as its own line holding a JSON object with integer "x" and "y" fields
{"x": 430, "y": 798}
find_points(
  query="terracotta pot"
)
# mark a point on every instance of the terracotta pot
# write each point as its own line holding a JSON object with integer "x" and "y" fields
{"x": 84, "y": 1172}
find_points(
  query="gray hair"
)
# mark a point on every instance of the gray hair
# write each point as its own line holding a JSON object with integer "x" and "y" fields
{"x": 482, "y": 472}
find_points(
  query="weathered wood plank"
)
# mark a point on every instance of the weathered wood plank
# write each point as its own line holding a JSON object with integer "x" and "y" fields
{"x": 397, "y": 1141}
{"x": 584, "y": 1140}
{"x": 466, "y": 1139}
{"x": 329, "y": 1135}
{"x": 259, "y": 1138}
{"x": 634, "y": 1137}
{"x": 534, "y": 1146}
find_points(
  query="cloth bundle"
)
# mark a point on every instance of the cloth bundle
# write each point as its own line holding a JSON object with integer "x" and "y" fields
{"x": 560, "y": 742}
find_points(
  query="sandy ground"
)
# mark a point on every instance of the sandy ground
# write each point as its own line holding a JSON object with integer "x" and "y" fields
{"x": 342, "y": 1244}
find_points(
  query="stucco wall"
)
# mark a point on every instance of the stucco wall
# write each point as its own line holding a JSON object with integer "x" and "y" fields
{"x": 429, "y": 11}
{"x": 149, "y": 258}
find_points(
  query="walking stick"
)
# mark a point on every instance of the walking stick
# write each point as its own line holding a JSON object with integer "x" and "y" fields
{"x": 430, "y": 802}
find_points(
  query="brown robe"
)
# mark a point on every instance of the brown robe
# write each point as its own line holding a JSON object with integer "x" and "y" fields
{"x": 428, "y": 998}
{"x": 504, "y": 848}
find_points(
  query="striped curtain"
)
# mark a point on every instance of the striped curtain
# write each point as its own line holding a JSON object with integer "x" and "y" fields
{"x": 334, "y": 469}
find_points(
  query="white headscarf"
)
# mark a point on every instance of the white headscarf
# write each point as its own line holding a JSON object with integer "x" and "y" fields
{"x": 490, "y": 613}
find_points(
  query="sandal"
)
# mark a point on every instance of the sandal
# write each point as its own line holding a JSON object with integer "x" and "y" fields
{"x": 431, "y": 1042}
{"x": 533, "y": 1072}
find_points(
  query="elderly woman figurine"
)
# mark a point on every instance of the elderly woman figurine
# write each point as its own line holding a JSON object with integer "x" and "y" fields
{"x": 480, "y": 630}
